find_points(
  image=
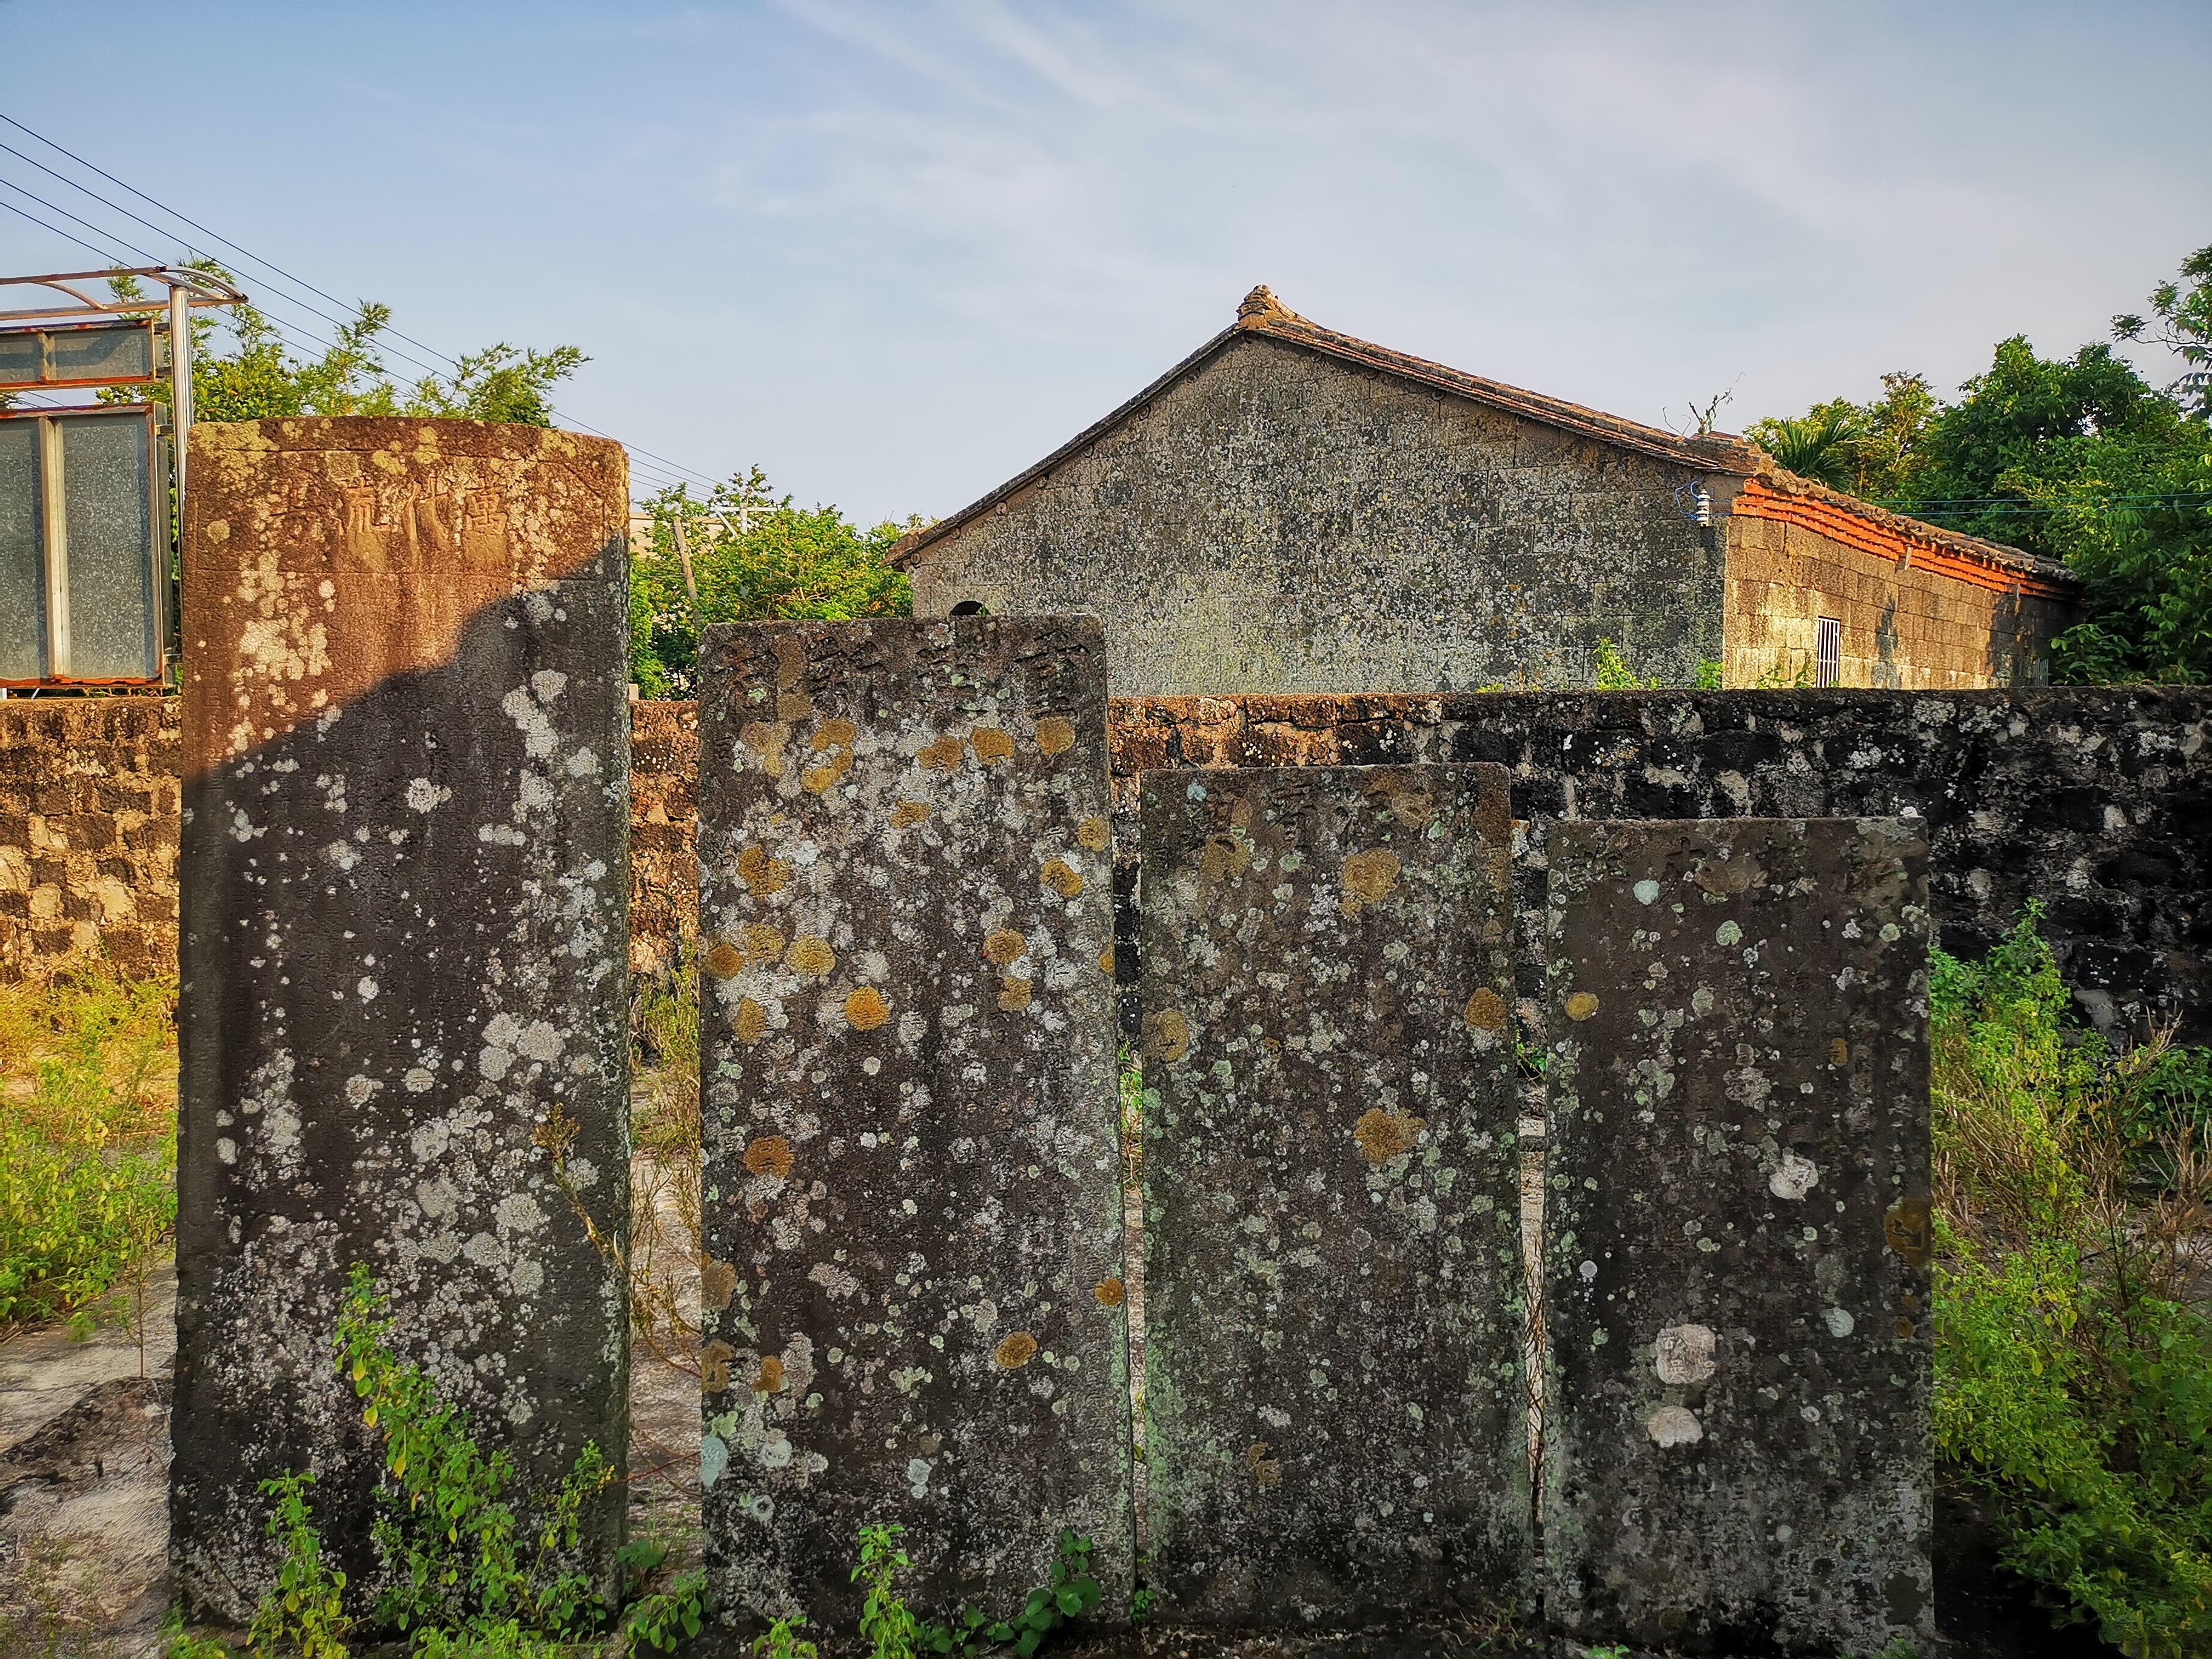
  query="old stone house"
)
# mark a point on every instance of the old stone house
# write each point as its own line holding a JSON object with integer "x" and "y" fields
{"x": 1291, "y": 509}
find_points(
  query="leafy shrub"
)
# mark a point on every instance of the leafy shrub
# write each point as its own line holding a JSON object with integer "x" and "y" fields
{"x": 462, "y": 1576}
{"x": 2073, "y": 1342}
{"x": 88, "y": 1136}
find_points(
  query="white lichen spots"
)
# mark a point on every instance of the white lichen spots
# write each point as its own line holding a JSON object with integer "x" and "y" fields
{"x": 518, "y": 1213}
{"x": 538, "y": 738}
{"x": 359, "y": 1089}
{"x": 583, "y": 764}
{"x": 1701, "y": 1001}
{"x": 549, "y": 684}
{"x": 540, "y": 1040}
{"x": 418, "y": 1080}
{"x": 425, "y": 796}
{"x": 713, "y": 1458}
{"x": 527, "y": 1277}
{"x": 918, "y": 1471}
{"x": 1793, "y": 1178}
{"x": 1588, "y": 1271}
{"x": 1646, "y": 891}
{"x": 226, "y": 1148}
{"x": 774, "y": 1451}
{"x": 1839, "y": 1321}
{"x": 500, "y": 835}
{"x": 834, "y": 1280}
{"x": 366, "y": 987}
{"x": 341, "y": 853}
{"x": 1673, "y": 1425}
{"x": 1684, "y": 1354}
{"x": 429, "y": 1140}
{"x": 1727, "y": 932}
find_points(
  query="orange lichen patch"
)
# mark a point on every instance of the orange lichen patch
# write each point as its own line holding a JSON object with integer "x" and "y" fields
{"x": 1095, "y": 834}
{"x": 790, "y": 659}
{"x": 793, "y": 707}
{"x": 722, "y": 959}
{"x": 1485, "y": 1009}
{"x": 992, "y": 745}
{"x": 943, "y": 755}
{"x": 1382, "y": 1136}
{"x": 1259, "y": 1459}
{"x": 1166, "y": 1035}
{"x": 763, "y": 944}
{"x": 1013, "y": 995}
{"x": 1580, "y": 1005}
{"x": 749, "y": 1020}
{"x": 1224, "y": 857}
{"x": 762, "y": 874}
{"x": 1062, "y": 876}
{"x": 1015, "y": 1352}
{"x": 714, "y": 1366}
{"x": 1369, "y": 876}
{"x": 908, "y": 813}
{"x": 1055, "y": 736}
{"x": 1839, "y": 1052}
{"x": 1904, "y": 1229}
{"x": 1110, "y": 1292}
{"x": 769, "y": 1155}
{"x": 817, "y": 778}
{"x": 1005, "y": 947}
{"x": 866, "y": 1009}
{"x": 1106, "y": 960}
{"x": 1401, "y": 800}
{"x": 767, "y": 741}
{"x": 810, "y": 957}
{"x": 770, "y": 1380}
{"x": 833, "y": 734}
{"x": 718, "y": 1282}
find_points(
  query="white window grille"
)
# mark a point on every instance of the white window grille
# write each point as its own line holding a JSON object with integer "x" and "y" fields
{"x": 1828, "y": 654}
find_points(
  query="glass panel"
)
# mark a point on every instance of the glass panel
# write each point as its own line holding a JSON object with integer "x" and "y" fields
{"x": 23, "y": 563}
{"x": 19, "y": 357}
{"x": 90, "y": 353}
{"x": 106, "y": 471}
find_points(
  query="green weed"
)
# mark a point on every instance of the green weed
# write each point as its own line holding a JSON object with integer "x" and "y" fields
{"x": 88, "y": 1139}
{"x": 2073, "y": 1340}
{"x": 464, "y": 1573}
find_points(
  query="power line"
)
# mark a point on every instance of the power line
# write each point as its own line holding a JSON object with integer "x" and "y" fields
{"x": 280, "y": 270}
{"x": 97, "y": 254}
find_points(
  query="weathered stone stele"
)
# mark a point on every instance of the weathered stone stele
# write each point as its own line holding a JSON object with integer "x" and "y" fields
{"x": 914, "y": 1291}
{"x": 1336, "y": 1399}
{"x": 403, "y": 1014}
{"x": 1737, "y": 1243}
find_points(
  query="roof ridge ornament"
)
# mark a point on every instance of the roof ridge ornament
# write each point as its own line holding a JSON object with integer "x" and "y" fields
{"x": 1261, "y": 306}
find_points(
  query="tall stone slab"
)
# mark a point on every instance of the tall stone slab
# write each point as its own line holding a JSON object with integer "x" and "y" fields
{"x": 1335, "y": 1394}
{"x": 404, "y": 1030}
{"x": 1737, "y": 1243}
{"x": 914, "y": 1292}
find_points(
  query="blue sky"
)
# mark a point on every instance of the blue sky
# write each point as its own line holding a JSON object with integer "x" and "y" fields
{"x": 894, "y": 252}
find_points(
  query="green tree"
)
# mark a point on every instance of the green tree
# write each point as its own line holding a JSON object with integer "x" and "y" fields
{"x": 242, "y": 370}
{"x": 2077, "y": 458}
{"x": 2184, "y": 310}
{"x": 743, "y": 554}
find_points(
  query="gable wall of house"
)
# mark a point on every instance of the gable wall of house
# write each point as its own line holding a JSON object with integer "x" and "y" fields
{"x": 1913, "y": 618}
{"x": 1281, "y": 521}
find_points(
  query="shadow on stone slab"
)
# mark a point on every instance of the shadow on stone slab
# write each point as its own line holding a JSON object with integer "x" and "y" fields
{"x": 1984, "y": 1611}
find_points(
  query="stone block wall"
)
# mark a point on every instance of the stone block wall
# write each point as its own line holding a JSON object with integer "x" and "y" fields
{"x": 1905, "y": 625}
{"x": 2092, "y": 800}
{"x": 88, "y": 831}
{"x": 663, "y": 853}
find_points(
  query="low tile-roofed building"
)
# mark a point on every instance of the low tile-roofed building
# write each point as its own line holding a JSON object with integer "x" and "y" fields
{"x": 1293, "y": 509}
